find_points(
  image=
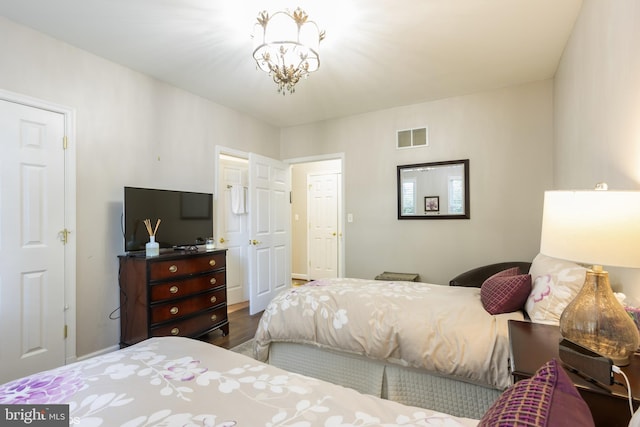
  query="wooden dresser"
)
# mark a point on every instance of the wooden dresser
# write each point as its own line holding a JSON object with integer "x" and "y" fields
{"x": 175, "y": 293}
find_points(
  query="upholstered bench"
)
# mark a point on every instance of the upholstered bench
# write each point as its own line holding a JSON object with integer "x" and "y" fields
{"x": 404, "y": 277}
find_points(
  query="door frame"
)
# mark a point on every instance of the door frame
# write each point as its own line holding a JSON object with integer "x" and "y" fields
{"x": 341, "y": 200}
{"x": 69, "y": 209}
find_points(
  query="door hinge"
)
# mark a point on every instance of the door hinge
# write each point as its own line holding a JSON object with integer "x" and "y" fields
{"x": 66, "y": 330}
{"x": 65, "y": 142}
{"x": 64, "y": 236}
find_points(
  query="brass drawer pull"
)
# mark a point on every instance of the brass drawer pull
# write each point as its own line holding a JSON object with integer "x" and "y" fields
{"x": 212, "y": 262}
{"x": 173, "y": 268}
{"x": 214, "y": 317}
{"x": 213, "y": 281}
{"x": 173, "y": 289}
{"x": 174, "y": 310}
{"x": 175, "y": 331}
{"x": 214, "y": 299}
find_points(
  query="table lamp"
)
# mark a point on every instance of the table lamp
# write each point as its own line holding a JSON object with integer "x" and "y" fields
{"x": 596, "y": 227}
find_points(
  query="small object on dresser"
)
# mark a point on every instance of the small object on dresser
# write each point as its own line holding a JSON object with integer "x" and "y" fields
{"x": 210, "y": 244}
{"x": 152, "y": 247}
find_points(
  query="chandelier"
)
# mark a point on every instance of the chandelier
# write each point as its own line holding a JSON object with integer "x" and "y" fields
{"x": 286, "y": 46}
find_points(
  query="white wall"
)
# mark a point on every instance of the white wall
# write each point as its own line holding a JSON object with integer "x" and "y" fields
{"x": 131, "y": 130}
{"x": 597, "y": 107}
{"x": 507, "y": 135}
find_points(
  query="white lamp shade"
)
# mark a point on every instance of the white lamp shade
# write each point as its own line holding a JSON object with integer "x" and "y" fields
{"x": 592, "y": 227}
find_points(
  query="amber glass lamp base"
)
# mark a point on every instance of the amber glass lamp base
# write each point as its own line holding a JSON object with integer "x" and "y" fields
{"x": 596, "y": 320}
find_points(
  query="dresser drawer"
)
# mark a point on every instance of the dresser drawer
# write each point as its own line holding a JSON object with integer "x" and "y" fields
{"x": 183, "y": 267}
{"x": 184, "y": 287}
{"x": 180, "y": 308}
{"x": 193, "y": 326}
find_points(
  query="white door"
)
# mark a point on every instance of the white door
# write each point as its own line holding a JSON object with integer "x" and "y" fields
{"x": 32, "y": 254}
{"x": 232, "y": 229}
{"x": 269, "y": 230}
{"x": 323, "y": 225}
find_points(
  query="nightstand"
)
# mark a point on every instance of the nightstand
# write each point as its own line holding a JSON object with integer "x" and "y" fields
{"x": 533, "y": 344}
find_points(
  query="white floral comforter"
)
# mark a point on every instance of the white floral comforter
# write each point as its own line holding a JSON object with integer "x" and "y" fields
{"x": 173, "y": 381}
{"x": 443, "y": 329}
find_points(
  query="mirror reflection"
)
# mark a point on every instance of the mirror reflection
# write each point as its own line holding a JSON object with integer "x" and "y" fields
{"x": 437, "y": 190}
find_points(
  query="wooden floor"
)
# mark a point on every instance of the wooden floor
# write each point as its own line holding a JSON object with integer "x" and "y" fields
{"x": 242, "y": 327}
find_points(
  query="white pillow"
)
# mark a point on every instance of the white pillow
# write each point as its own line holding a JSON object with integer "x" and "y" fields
{"x": 554, "y": 284}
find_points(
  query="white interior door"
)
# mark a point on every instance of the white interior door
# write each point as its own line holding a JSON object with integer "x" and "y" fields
{"x": 323, "y": 225}
{"x": 269, "y": 230}
{"x": 32, "y": 254}
{"x": 232, "y": 229}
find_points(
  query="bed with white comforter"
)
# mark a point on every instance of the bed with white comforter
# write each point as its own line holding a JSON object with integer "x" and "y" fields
{"x": 402, "y": 331}
{"x": 173, "y": 381}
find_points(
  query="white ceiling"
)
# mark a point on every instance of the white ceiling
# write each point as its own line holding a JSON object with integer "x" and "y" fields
{"x": 377, "y": 53}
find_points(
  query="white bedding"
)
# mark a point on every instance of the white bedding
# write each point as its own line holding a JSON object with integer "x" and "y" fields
{"x": 174, "y": 381}
{"x": 441, "y": 329}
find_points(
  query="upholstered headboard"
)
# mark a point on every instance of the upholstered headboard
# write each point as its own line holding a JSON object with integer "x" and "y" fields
{"x": 475, "y": 277}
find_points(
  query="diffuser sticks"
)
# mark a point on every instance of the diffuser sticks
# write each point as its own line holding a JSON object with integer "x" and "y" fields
{"x": 152, "y": 232}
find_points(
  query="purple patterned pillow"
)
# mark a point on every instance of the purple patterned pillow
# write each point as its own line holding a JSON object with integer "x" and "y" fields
{"x": 548, "y": 399}
{"x": 505, "y": 291}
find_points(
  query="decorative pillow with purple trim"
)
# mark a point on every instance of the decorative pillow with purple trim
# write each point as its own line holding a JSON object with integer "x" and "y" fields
{"x": 554, "y": 284}
{"x": 548, "y": 399}
{"x": 506, "y": 291}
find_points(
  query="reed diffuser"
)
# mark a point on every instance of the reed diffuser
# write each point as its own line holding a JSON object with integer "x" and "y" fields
{"x": 152, "y": 247}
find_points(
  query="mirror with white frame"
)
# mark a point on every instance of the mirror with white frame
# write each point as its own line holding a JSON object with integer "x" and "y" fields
{"x": 437, "y": 190}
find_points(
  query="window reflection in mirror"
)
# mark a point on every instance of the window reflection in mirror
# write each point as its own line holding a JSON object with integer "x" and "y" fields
{"x": 437, "y": 190}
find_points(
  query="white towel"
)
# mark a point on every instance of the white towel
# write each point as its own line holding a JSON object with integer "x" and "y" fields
{"x": 238, "y": 200}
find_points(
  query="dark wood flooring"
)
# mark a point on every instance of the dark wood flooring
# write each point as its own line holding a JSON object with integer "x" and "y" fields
{"x": 242, "y": 327}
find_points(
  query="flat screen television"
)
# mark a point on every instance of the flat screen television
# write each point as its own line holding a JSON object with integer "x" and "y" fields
{"x": 186, "y": 217}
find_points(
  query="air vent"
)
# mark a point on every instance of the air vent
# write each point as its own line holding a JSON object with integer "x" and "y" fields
{"x": 410, "y": 138}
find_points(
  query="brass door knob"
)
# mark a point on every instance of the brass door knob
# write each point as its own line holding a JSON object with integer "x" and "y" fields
{"x": 174, "y": 310}
{"x": 213, "y": 281}
{"x": 212, "y": 262}
{"x": 175, "y": 331}
{"x": 214, "y": 299}
{"x": 173, "y": 268}
{"x": 173, "y": 289}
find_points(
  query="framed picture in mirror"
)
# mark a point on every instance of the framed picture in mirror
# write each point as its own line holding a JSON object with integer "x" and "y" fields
{"x": 432, "y": 204}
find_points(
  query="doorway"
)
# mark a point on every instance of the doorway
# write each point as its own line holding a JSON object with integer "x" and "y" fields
{"x": 256, "y": 236}
{"x": 232, "y": 223}
{"x": 316, "y": 212}
{"x": 232, "y": 230}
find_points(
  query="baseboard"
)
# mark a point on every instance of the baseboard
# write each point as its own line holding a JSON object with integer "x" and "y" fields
{"x": 98, "y": 353}
{"x": 300, "y": 276}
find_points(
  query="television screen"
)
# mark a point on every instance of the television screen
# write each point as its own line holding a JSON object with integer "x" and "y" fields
{"x": 186, "y": 217}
